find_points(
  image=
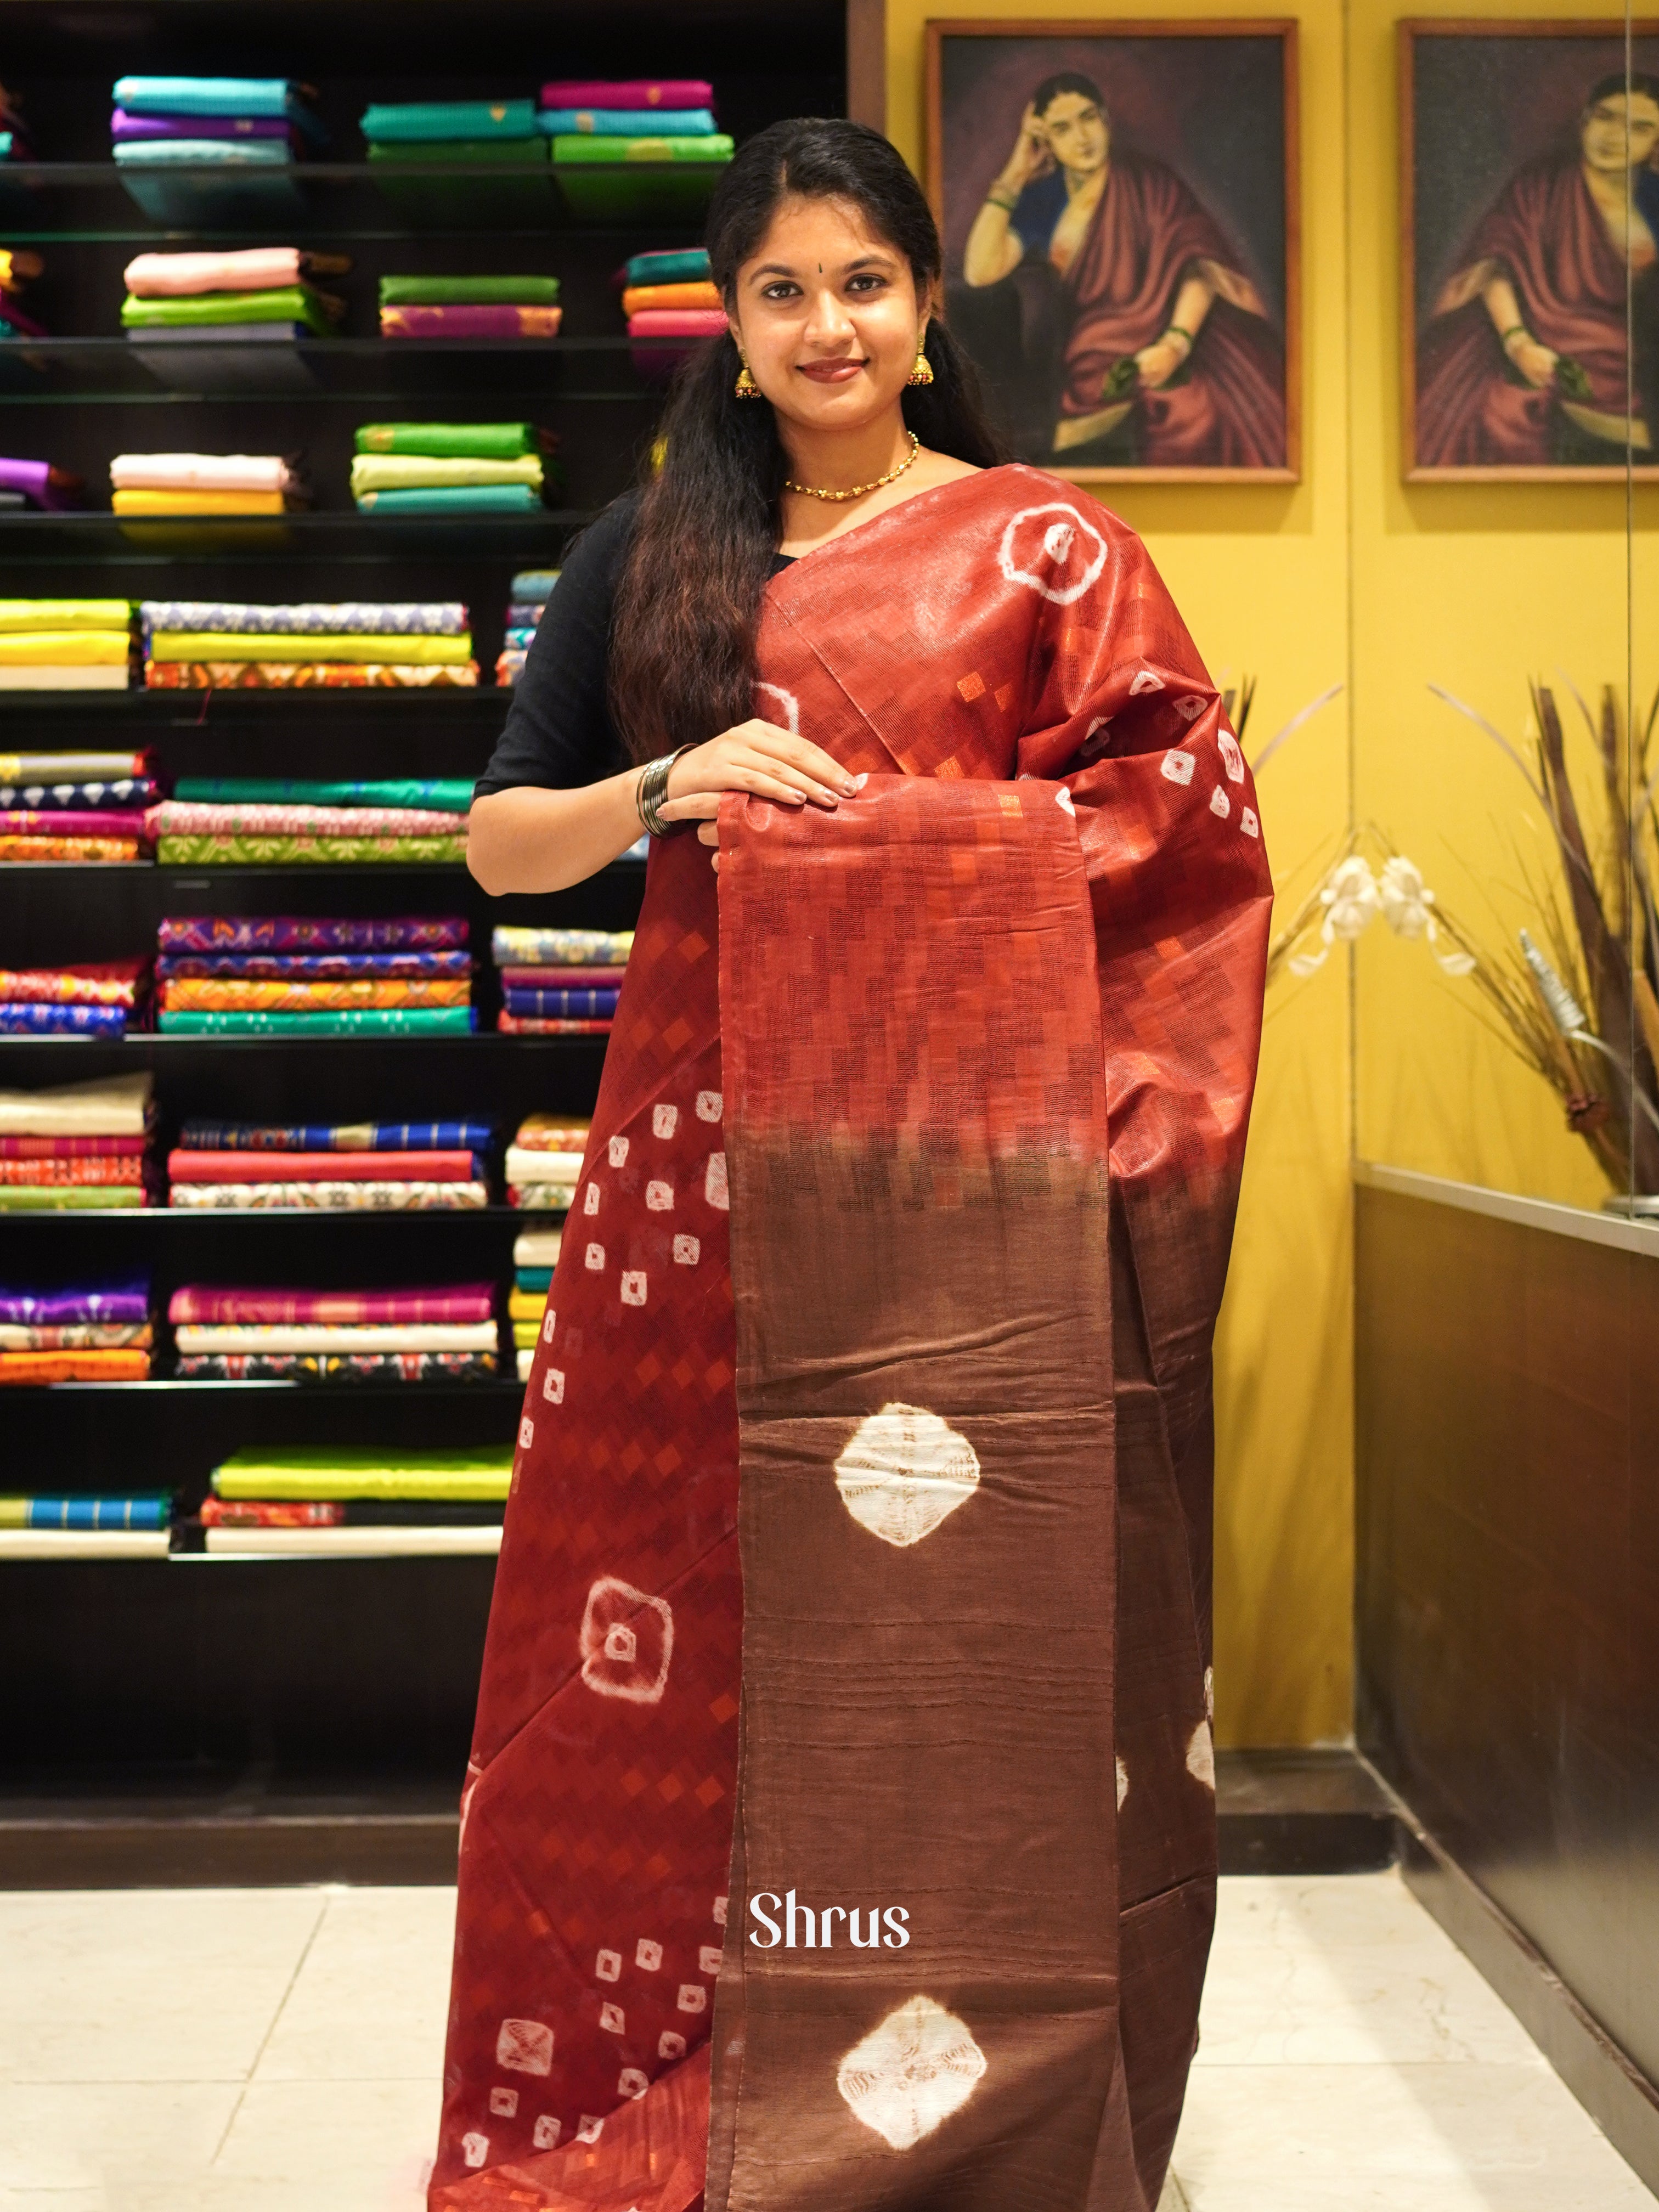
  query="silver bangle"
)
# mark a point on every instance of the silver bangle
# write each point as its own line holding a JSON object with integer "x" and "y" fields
{"x": 653, "y": 788}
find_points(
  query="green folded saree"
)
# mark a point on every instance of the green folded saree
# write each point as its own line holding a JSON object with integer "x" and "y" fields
{"x": 203, "y": 849}
{"x": 468, "y": 291}
{"x": 422, "y": 122}
{"x": 374, "y": 1471}
{"x": 403, "y": 647}
{"x": 577, "y": 149}
{"x": 288, "y": 303}
{"x": 48, "y": 1198}
{"x": 442, "y": 794}
{"x": 429, "y": 473}
{"x": 454, "y": 500}
{"x": 363, "y": 1021}
{"x": 465, "y": 441}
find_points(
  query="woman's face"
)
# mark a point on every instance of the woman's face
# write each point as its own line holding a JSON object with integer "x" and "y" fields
{"x": 826, "y": 311}
{"x": 1614, "y": 140}
{"x": 1079, "y": 136}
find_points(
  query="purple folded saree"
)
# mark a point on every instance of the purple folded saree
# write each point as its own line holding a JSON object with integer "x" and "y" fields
{"x": 40, "y": 481}
{"x": 123, "y": 125}
{"x": 308, "y": 933}
{"x": 112, "y": 1302}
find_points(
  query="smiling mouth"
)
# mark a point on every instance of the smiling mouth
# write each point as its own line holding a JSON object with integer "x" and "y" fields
{"x": 831, "y": 372}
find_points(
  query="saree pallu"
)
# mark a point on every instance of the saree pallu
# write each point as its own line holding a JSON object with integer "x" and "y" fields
{"x": 910, "y": 1193}
{"x": 301, "y": 675}
{"x": 332, "y": 1197}
{"x": 242, "y": 850}
{"x": 306, "y": 933}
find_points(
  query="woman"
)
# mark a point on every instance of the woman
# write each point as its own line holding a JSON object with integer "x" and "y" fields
{"x": 1163, "y": 357}
{"x": 923, "y": 1694}
{"x": 1525, "y": 360}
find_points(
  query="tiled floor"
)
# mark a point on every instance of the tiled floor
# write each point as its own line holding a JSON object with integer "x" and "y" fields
{"x": 277, "y": 2050}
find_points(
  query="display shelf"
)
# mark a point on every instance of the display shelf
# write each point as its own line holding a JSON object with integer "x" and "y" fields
{"x": 359, "y": 1673}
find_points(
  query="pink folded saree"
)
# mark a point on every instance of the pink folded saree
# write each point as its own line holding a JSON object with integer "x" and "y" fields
{"x": 200, "y": 1303}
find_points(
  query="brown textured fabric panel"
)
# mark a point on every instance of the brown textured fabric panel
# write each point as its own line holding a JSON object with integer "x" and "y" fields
{"x": 922, "y": 1288}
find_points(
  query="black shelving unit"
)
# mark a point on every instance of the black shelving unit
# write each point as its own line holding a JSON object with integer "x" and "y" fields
{"x": 207, "y": 1715}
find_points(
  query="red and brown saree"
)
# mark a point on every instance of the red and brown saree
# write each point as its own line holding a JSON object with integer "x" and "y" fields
{"x": 858, "y": 1556}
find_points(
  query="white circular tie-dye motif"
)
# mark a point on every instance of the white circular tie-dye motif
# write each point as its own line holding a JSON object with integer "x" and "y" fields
{"x": 1178, "y": 767}
{"x": 1201, "y": 1755}
{"x": 904, "y": 1471}
{"x": 789, "y": 704}
{"x": 909, "y": 2075}
{"x": 1072, "y": 552}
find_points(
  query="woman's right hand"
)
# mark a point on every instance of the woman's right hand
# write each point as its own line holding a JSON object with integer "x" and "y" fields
{"x": 1030, "y": 158}
{"x": 754, "y": 756}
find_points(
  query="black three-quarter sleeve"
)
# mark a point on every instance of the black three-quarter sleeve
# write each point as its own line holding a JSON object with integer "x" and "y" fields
{"x": 559, "y": 732}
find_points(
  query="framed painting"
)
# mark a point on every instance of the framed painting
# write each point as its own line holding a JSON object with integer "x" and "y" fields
{"x": 1118, "y": 202}
{"x": 1529, "y": 195}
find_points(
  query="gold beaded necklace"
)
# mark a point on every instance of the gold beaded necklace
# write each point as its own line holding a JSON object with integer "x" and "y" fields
{"x": 812, "y": 491}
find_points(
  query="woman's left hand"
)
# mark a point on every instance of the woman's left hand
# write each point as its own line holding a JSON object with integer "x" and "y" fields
{"x": 1157, "y": 363}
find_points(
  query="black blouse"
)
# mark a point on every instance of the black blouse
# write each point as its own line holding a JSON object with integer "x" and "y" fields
{"x": 559, "y": 732}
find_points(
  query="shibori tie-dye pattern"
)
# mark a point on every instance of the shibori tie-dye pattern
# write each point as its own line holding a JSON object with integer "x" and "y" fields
{"x": 1018, "y": 630}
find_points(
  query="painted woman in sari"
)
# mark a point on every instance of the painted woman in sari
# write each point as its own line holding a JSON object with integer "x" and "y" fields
{"x": 1110, "y": 307}
{"x": 1524, "y": 362}
{"x": 855, "y": 1578}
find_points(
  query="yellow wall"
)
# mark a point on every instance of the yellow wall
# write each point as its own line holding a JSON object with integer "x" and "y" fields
{"x": 1260, "y": 574}
{"x": 1353, "y": 577}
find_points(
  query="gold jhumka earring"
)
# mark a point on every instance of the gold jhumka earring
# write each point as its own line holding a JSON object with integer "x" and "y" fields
{"x": 745, "y": 387}
{"x": 923, "y": 371}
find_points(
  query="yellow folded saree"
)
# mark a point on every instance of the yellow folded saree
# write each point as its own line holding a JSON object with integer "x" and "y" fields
{"x": 332, "y": 645}
{"x": 64, "y": 648}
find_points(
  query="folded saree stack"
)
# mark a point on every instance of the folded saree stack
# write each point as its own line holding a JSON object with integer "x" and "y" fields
{"x": 452, "y": 468}
{"x": 64, "y": 645}
{"x": 604, "y": 131}
{"x": 17, "y": 268}
{"x": 75, "y": 1333}
{"x": 535, "y": 1255}
{"x": 199, "y": 484}
{"x": 668, "y": 296}
{"x": 378, "y": 1166}
{"x": 447, "y": 1333}
{"x": 283, "y": 820}
{"x": 349, "y": 1498}
{"x": 96, "y": 998}
{"x": 303, "y": 975}
{"x": 544, "y": 1165}
{"x": 77, "y": 1146}
{"x": 73, "y": 806}
{"x": 560, "y": 982}
{"x": 201, "y": 122}
{"x": 196, "y": 645}
{"x": 469, "y": 307}
{"x": 258, "y": 295}
{"x": 528, "y": 595}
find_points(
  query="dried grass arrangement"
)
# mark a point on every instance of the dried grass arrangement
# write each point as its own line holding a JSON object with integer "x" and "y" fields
{"x": 1578, "y": 998}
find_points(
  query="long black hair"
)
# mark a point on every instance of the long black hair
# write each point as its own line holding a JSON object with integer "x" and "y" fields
{"x": 683, "y": 642}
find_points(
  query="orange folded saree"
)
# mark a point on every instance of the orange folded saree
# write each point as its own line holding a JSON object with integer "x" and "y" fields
{"x": 840, "y": 1824}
